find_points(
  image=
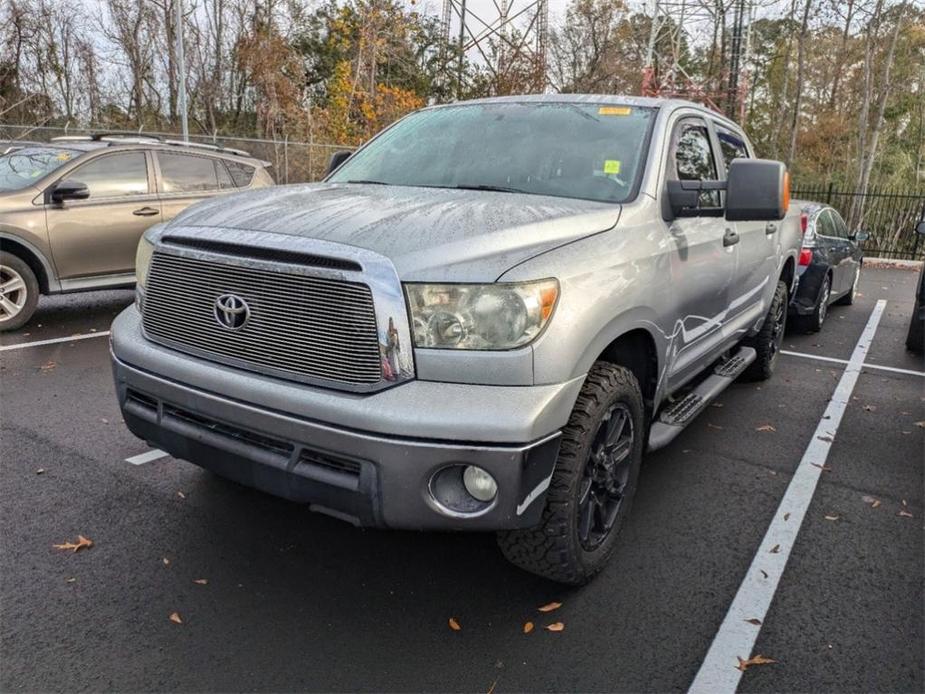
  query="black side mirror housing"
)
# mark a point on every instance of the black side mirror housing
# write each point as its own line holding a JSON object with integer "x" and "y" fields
{"x": 69, "y": 190}
{"x": 920, "y": 228}
{"x": 757, "y": 190}
{"x": 337, "y": 159}
{"x": 859, "y": 235}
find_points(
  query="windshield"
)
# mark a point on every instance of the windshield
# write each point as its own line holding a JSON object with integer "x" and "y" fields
{"x": 589, "y": 151}
{"x": 23, "y": 167}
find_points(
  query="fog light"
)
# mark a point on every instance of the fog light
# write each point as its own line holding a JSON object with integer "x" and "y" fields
{"x": 479, "y": 483}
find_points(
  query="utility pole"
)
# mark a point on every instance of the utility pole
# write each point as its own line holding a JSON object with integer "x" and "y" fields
{"x": 181, "y": 68}
{"x": 462, "y": 48}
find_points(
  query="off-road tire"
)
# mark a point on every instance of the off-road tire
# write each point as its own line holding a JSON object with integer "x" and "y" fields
{"x": 553, "y": 548}
{"x": 812, "y": 323}
{"x": 18, "y": 265}
{"x": 768, "y": 340}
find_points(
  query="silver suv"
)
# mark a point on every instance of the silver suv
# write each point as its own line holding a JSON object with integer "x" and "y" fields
{"x": 72, "y": 210}
{"x": 479, "y": 321}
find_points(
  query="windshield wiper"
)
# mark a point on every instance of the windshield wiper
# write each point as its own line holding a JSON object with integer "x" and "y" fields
{"x": 360, "y": 180}
{"x": 482, "y": 186}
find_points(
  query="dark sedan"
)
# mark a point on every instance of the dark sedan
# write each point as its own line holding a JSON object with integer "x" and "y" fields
{"x": 829, "y": 266}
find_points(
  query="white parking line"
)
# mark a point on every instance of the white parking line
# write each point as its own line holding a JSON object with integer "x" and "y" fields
{"x": 737, "y": 634}
{"x": 147, "y": 457}
{"x": 878, "y": 367}
{"x": 37, "y": 343}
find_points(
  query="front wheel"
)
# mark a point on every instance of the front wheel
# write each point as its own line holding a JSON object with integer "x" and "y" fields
{"x": 768, "y": 340}
{"x": 592, "y": 485}
{"x": 19, "y": 292}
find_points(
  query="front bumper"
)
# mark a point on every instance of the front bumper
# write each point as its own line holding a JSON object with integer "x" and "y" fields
{"x": 359, "y": 473}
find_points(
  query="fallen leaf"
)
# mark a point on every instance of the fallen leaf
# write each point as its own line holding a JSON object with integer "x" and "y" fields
{"x": 920, "y": 425}
{"x": 870, "y": 408}
{"x": 905, "y": 514}
{"x": 824, "y": 468}
{"x": 166, "y": 561}
{"x": 775, "y": 549}
{"x": 82, "y": 543}
{"x": 763, "y": 573}
{"x": 176, "y": 618}
{"x": 454, "y": 625}
{"x": 201, "y": 581}
{"x": 904, "y": 502}
{"x": 765, "y": 427}
{"x": 832, "y": 518}
{"x": 104, "y": 420}
{"x": 827, "y": 439}
{"x": 786, "y": 516}
{"x": 875, "y": 504}
{"x": 756, "y": 660}
{"x": 755, "y": 621}
{"x": 491, "y": 689}
{"x": 181, "y": 495}
{"x": 71, "y": 580}
{"x": 40, "y": 471}
{"x": 47, "y": 366}
{"x": 555, "y": 626}
{"x": 550, "y": 607}
{"x": 528, "y": 627}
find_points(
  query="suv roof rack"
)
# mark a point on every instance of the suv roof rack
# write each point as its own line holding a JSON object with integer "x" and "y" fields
{"x": 140, "y": 138}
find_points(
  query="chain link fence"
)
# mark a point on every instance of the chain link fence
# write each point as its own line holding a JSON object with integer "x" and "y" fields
{"x": 292, "y": 162}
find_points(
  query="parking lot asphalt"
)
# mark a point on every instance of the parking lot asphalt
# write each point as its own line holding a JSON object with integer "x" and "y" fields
{"x": 294, "y": 600}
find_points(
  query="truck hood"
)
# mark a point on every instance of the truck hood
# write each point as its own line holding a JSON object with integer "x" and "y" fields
{"x": 430, "y": 234}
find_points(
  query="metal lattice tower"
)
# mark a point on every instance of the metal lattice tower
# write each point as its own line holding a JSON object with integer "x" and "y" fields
{"x": 503, "y": 39}
{"x": 719, "y": 29}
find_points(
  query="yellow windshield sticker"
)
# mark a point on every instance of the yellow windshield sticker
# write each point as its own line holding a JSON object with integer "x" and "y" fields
{"x": 63, "y": 156}
{"x": 612, "y": 166}
{"x": 614, "y": 111}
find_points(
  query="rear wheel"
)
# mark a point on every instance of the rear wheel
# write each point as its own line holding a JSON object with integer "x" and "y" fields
{"x": 19, "y": 292}
{"x": 813, "y": 322}
{"x": 593, "y": 483}
{"x": 768, "y": 340}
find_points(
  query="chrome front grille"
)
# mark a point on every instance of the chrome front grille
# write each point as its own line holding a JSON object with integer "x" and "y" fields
{"x": 299, "y": 326}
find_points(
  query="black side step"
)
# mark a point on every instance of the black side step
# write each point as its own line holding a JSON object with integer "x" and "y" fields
{"x": 673, "y": 418}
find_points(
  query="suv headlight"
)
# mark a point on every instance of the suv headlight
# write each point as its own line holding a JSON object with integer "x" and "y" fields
{"x": 143, "y": 260}
{"x": 480, "y": 316}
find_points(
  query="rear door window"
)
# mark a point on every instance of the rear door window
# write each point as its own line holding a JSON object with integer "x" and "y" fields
{"x": 241, "y": 174}
{"x": 731, "y": 144}
{"x": 183, "y": 173}
{"x": 841, "y": 229}
{"x": 825, "y": 226}
{"x": 114, "y": 175}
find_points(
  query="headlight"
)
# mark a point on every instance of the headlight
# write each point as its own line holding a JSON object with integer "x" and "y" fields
{"x": 480, "y": 316}
{"x": 143, "y": 260}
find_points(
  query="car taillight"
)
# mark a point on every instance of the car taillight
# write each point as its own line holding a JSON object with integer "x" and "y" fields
{"x": 804, "y": 224}
{"x": 806, "y": 256}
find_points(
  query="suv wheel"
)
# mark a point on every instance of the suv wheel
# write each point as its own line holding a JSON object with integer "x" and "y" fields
{"x": 19, "y": 292}
{"x": 768, "y": 340}
{"x": 593, "y": 483}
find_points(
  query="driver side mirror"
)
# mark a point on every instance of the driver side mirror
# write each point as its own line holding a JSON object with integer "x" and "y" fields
{"x": 920, "y": 228}
{"x": 860, "y": 235}
{"x": 757, "y": 190}
{"x": 69, "y": 190}
{"x": 337, "y": 159}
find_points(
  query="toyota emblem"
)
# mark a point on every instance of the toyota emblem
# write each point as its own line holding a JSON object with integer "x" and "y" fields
{"x": 231, "y": 311}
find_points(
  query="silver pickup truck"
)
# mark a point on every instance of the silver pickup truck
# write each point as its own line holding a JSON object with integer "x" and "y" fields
{"x": 480, "y": 320}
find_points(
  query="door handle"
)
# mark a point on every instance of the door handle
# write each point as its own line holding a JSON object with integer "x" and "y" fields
{"x": 770, "y": 228}
{"x": 145, "y": 212}
{"x": 730, "y": 238}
